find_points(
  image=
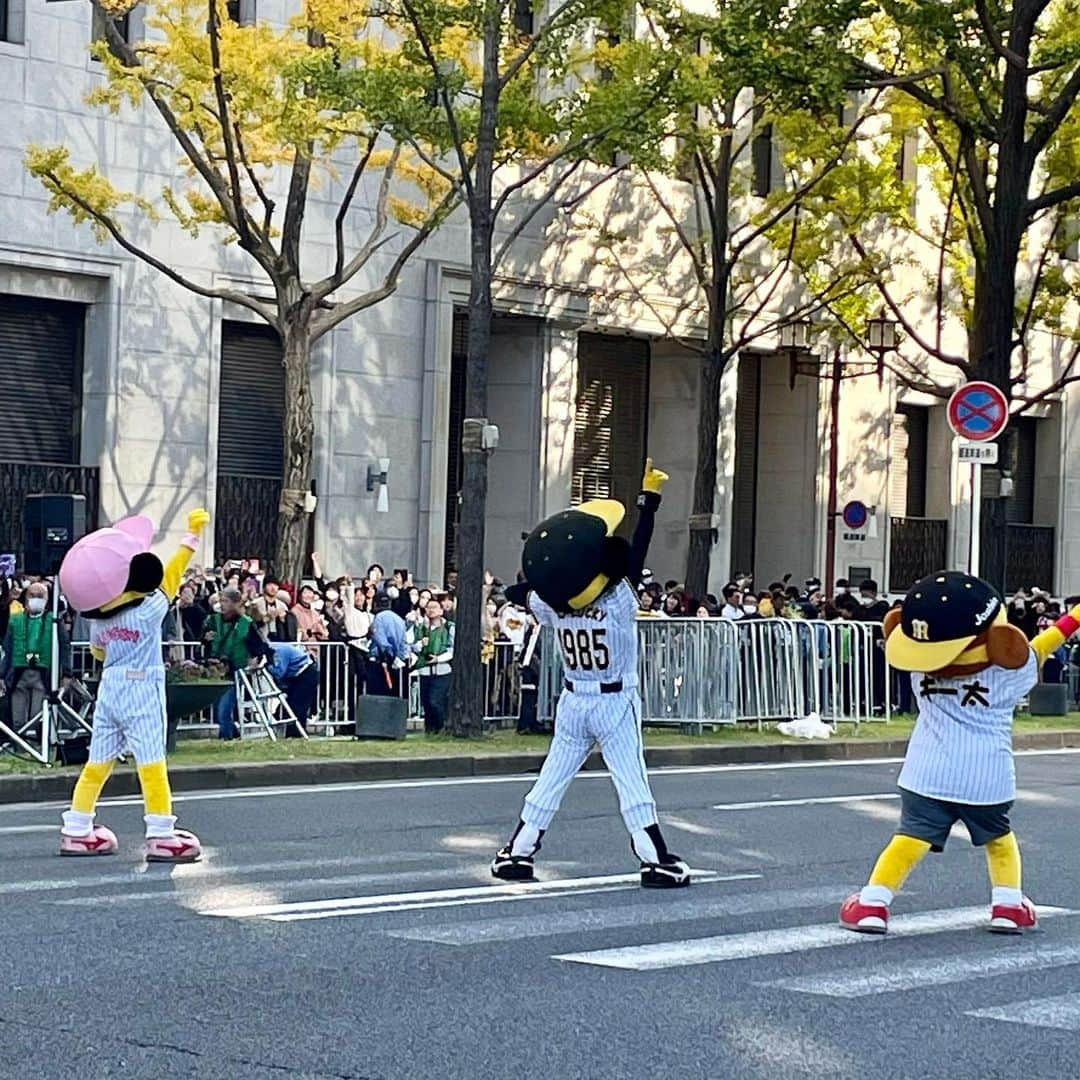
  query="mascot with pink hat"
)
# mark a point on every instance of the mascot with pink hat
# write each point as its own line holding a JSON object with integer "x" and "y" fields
{"x": 112, "y": 578}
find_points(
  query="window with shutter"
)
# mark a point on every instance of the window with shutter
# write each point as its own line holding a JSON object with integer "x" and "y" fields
{"x": 251, "y": 441}
{"x": 459, "y": 354}
{"x": 744, "y": 485}
{"x": 41, "y": 357}
{"x": 1021, "y": 507}
{"x": 908, "y": 461}
{"x": 611, "y": 418}
{"x": 251, "y": 401}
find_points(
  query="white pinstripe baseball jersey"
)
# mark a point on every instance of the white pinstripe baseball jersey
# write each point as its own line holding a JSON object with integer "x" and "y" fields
{"x": 599, "y": 644}
{"x": 130, "y": 708}
{"x": 961, "y": 748}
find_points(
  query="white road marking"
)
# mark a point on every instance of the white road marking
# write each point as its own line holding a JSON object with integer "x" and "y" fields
{"x": 280, "y": 885}
{"x": 11, "y": 830}
{"x": 858, "y": 982}
{"x": 465, "y": 781}
{"x": 482, "y": 894}
{"x": 818, "y": 801}
{"x": 793, "y": 939}
{"x": 144, "y": 874}
{"x": 665, "y": 910}
{"x": 1062, "y": 1012}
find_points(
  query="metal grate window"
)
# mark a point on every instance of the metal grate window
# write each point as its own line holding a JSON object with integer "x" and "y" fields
{"x": 1021, "y": 507}
{"x": 41, "y": 357}
{"x": 744, "y": 488}
{"x": 251, "y": 401}
{"x": 908, "y": 461}
{"x": 455, "y": 464}
{"x": 611, "y": 418}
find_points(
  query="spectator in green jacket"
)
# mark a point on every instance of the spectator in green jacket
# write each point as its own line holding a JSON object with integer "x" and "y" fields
{"x": 434, "y": 648}
{"x": 229, "y": 635}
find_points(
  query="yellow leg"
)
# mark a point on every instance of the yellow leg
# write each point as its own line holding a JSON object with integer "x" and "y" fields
{"x": 897, "y": 861}
{"x": 1003, "y": 862}
{"x": 89, "y": 786}
{"x": 154, "y": 781}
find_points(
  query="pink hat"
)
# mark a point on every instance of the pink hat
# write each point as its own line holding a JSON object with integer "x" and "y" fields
{"x": 96, "y": 569}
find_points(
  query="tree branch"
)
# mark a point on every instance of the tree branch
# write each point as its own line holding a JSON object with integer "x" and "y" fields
{"x": 700, "y": 270}
{"x": 1006, "y": 54}
{"x": 343, "y": 209}
{"x": 905, "y": 322}
{"x": 1053, "y": 117}
{"x": 327, "y": 320}
{"x": 232, "y": 296}
{"x": 1053, "y": 198}
{"x": 464, "y": 163}
{"x": 538, "y": 204}
{"x": 540, "y": 35}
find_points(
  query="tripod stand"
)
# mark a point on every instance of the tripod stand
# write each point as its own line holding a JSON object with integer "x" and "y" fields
{"x": 53, "y": 708}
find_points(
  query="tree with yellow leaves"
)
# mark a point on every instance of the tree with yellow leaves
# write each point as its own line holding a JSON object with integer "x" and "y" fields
{"x": 261, "y": 116}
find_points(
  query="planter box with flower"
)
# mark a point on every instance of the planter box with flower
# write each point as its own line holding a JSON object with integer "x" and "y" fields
{"x": 190, "y": 688}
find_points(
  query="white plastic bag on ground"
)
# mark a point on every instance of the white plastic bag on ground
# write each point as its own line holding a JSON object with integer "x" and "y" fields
{"x": 807, "y": 727}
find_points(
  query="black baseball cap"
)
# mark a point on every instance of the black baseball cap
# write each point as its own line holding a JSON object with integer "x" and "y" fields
{"x": 940, "y": 617}
{"x": 566, "y": 557}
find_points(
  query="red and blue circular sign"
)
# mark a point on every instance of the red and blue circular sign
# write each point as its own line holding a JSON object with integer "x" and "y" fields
{"x": 856, "y": 514}
{"x": 978, "y": 411}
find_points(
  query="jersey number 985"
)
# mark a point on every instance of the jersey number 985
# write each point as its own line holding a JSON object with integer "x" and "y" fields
{"x": 585, "y": 650}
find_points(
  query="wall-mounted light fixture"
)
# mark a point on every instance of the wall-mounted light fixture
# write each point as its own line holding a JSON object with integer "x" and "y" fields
{"x": 377, "y": 480}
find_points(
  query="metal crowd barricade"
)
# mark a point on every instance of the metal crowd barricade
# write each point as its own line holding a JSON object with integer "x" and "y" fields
{"x": 332, "y": 708}
{"x": 712, "y": 671}
{"x": 502, "y": 688}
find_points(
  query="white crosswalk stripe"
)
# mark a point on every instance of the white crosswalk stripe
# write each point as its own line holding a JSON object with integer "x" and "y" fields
{"x": 704, "y": 905}
{"x": 940, "y": 971}
{"x": 1061, "y": 1012}
{"x": 438, "y": 898}
{"x": 793, "y": 939}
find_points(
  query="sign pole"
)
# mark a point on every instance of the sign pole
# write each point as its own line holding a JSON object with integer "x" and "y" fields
{"x": 976, "y": 519}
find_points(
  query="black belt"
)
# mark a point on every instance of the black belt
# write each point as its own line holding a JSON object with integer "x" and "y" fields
{"x": 605, "y": 687}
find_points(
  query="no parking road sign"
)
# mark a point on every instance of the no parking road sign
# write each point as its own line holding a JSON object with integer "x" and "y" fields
{"x": 978, "y": 411}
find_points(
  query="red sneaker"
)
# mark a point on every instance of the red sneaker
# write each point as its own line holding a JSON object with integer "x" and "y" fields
{"x": 181, "y": 847}
{"x": 1013, "y": 918}
{"x": 101, "y": 841}
{"x": 863, "y": 918}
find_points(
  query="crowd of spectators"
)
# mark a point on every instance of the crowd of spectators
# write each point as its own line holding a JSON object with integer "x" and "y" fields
{"x": 739, "y": 600}
{"x": 392, "y": 627}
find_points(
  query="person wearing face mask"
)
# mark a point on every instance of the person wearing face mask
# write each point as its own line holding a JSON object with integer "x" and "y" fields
{"x": 874, "y": 609}
{"x": 750, "y": 607}
{"x": 310, "y": 621}
{"x": 26, "y": 668}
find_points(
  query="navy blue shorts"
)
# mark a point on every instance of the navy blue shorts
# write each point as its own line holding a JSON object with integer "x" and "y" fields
{"x": 932, "y": 819}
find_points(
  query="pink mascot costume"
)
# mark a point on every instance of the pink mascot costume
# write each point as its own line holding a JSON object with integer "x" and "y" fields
{"x": 112, "y": 578}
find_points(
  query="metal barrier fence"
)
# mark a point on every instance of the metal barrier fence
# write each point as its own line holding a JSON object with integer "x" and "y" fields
{"x": 711, "y": 671}
{"x": 332, "y": 703}
{"x": 691, "y": 671}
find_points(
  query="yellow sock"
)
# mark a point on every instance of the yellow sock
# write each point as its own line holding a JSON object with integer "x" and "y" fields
{"x": 90, "y": 783}
{"x": 894, "y": 864}
{"x": 154, "y": 781}
{"x": 1003, "y": 862}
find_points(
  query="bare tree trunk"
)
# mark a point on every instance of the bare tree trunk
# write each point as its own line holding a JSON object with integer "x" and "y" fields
{"x": 299, "y": 442}
{"x": 467, "y": 686}
{"x": 708, "y": 433}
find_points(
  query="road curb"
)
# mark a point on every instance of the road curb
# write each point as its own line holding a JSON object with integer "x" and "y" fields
{"x": 56, "y": 787}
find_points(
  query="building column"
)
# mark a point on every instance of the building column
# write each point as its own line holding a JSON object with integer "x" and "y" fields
{"x": 558, "y": 390}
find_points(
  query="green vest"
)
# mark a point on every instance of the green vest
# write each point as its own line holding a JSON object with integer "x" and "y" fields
{"x": 230, "y": 640}
{"x": 31, "y": 641}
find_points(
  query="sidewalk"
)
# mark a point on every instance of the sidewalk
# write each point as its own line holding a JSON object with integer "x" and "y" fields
{"x": 299, "y": 765}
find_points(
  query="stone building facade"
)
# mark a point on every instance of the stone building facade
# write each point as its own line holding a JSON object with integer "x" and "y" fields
{"x": 155, "y": 400}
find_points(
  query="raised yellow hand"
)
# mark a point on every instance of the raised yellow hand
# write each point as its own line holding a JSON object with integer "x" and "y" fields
{"x": 654, "y": 479}
{"x": 197, "y": 520}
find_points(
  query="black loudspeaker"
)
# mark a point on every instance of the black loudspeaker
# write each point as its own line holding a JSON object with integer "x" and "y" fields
{"x": 53, "y": 524}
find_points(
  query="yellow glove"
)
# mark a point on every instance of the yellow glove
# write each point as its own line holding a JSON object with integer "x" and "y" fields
{"x": 197, "y": 520}
{"x": 654, "y": 480}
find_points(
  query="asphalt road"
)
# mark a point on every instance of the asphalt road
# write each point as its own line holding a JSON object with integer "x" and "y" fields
{"x": 355, "y": 932}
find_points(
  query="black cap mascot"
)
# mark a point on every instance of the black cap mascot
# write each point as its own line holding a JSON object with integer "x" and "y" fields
{"x": 969, "y": 670}
{"x": 580, "y": 581}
